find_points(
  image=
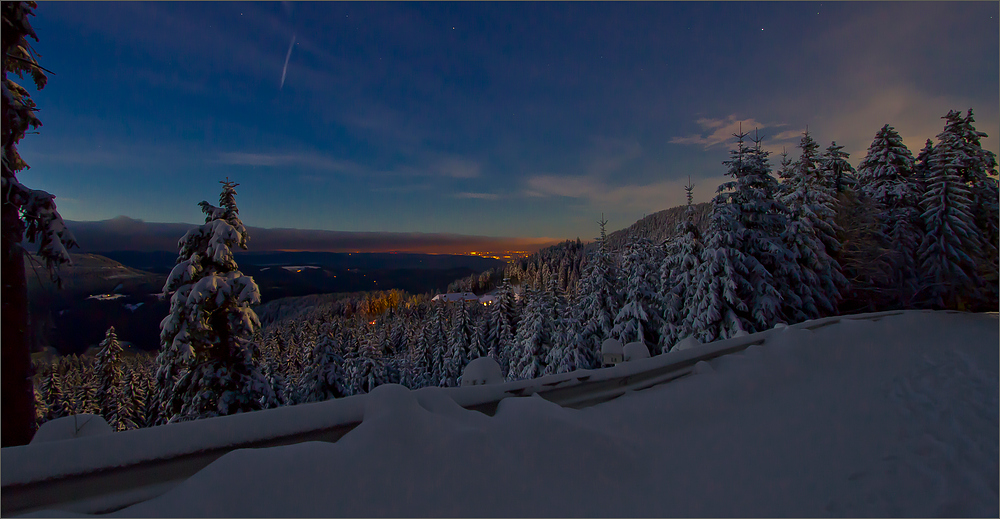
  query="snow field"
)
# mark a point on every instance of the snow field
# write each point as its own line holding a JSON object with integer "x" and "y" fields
{"x": 895, "y": 417}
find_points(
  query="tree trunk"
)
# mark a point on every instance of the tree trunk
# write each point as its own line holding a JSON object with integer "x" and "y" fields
{"x": 17, "y": 394}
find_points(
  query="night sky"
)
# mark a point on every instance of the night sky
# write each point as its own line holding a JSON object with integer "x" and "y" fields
{"x": 498, "y": 119}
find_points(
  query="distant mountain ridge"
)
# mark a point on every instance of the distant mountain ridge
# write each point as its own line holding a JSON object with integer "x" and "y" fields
{"x": 124, "y": 233}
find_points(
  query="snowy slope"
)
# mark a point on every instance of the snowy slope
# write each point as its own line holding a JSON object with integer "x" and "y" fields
{"x": 887, "y": 418}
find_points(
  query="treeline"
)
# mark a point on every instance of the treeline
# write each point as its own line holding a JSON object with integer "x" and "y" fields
{"x": 898, "y": 232}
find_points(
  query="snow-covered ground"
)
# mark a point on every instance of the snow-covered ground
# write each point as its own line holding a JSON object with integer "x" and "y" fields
{"x": 891, "y": 418}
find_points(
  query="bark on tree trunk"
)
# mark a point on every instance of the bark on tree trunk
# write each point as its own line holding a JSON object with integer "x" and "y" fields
{"x": 17, "y": 396}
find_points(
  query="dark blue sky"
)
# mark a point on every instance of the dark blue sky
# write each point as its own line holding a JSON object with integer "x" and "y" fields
{"x": 501, "y": 119}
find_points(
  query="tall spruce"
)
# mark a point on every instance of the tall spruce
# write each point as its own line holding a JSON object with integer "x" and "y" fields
{"x": 534, "y": 335}
{"x": 459, "y": 343}
{"x": 978, "y": 168}
{"x": 206, "y": 365}
{"x": 813, "y": 289}
{"x": 326, "y": 377}
{"x": 947, "y": 252}
{"x": 502, "y": 328}
{"x": 677, "y": 281}
{"x": 734, "y": 286}
{"x": 599, "y": 297}
{"x": 837, "y": 172}
{"x": 108, "y": 365}
{"x": 886, "y": 177}
{"x": 25, "y": 213}
{"x": 639, "y": 318}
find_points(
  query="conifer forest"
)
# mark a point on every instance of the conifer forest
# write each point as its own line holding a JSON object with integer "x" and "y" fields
{"x": 809, "y": 237}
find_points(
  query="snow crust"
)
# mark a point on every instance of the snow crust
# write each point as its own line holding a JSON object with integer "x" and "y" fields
{"x": 897, "y": 417}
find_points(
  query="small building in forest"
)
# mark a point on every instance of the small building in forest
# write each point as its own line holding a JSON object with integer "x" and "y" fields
{"x": 456, "y": 297}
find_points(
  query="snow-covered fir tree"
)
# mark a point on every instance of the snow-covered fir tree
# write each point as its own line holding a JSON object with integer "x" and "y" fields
{"x": 762, "y": 219}
{"x": 572, "y": 351}
{"x": 639, "y": 318}
{"x": 734, "y": 290}
{"x": 420, "y": 359}
{"x": 132, "y": 394}
{"x": 56, "y": 402}
{"x": 886, "y": 176}
{"x": 458, "y": 344}
{"x": 25, "y": 213}
{"x": 948, "y": 249}
{"x": 480, "y": 337}
{"x": 326, "y": 376}
{"x": 502, "y": 326}
{"x": 813, "y": 289}
{"x": 683, "y": 256}
{"x": 365, "y": 371}
{"x": 837, "y": 172}
{"x": 206, "y": 365}
{"x": 437, "y": 341}
{"x": 534, "y": 335}
{"x": 719, "y": 282}
{"x": 108, "y": 366}
{"x": 599, "y": 297}
{"x": 978, "y": 168}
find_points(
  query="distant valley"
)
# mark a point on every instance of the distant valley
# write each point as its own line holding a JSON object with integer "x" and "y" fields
{"x": 71, "y": 319}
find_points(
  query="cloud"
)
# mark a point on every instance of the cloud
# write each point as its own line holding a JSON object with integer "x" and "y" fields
{"x": 609, "y": 155}
{"x": 478, "y": 196}
{"x": 308, "y": 160}
{"x": 455, "y": 167}
{"x": 719, "y": 131}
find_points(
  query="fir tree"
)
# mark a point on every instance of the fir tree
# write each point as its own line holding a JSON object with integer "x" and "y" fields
{"x": 762, "y": 219}
{"x": 206, "y": 365}
{"x": 715, "y": 301}
{"x": 734, "y": 287}
{"x": 25, "y": 213}
{"x": 480, "y": 338}
{"x": 947, "y": 251}
{"x": 458, "y": 346}
{"x": 677, "y": 275}
{"x": 56, "y": 404}
{"x": 574, "y": 352}
{"x": 813, "y": 288}
{"x": 837, "y": 172}
{"x": 326, "y": 377}
{"x": 599, "y": 301}
{"x": 534, "y": 335}
{"x": 109, "y": 375}
{"x": 978, "y": 168}
{"x": 639, "y": 318}
{"x": 438, "y": 343}
{"x": 502, "y": 328}
{"x": 886, "y": 176}
{"x": 133, "y": 396}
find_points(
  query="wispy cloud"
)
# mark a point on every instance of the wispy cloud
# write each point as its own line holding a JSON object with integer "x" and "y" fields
{"x": 607, "y": 156}
{"x": 719, "y": 131}
{"x": 309, "y": 160}
{"x": 456, "y": 167}
{"x": 478, "y": 196}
